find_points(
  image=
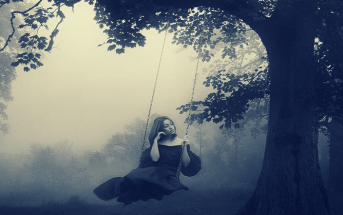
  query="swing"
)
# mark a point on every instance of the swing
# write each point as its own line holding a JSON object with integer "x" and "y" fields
{"x": 177, "y": 175}
{"x": 153, "y": 179}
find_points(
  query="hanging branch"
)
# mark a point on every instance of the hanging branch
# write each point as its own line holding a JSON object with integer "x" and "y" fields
{"x": 12, "y": 24}
{"x": 55, "y": 31}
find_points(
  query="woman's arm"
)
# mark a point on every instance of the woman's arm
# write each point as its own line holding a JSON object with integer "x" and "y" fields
{"x": 155, "y": 153}
{"x": 194, "y": 165}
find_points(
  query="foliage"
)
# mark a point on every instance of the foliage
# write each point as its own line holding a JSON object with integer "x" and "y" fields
{"x": 7, "y": 72}
{"x": 236, "y": 89}
{"x": 201, "y": 27}
{"x": 35, "y": 18}
{"x": 229, "y": 109}
{"x": 231, "y": 100}
{"x": 123, "y": 21}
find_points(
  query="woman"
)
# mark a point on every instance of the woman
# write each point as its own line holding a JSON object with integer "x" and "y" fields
{"x": 156, "y": 174}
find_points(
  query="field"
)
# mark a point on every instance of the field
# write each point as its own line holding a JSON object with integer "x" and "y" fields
{"x": 179, "y": 203}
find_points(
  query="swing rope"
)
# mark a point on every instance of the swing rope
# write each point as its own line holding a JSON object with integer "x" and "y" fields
{"x": 189, "y": 122}
{"x": 153, "y": 92}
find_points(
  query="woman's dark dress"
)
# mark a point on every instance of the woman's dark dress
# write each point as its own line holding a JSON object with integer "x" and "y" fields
{"x": 151, "y": 180}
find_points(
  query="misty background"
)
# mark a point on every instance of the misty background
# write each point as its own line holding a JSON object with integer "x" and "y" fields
{"x": 68, "y": 116}
{"x": 84, "y": 93}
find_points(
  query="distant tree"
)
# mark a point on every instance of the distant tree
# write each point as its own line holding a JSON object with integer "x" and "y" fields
{"x": 128, "y": 145}
{"x": 7, "y": 75}
{"x": 335, "y": 143}
{"x": 55, "y": 170}
{"x": 97, "y": 160}
{"x": 123, "y": 146}
{"x": 232, "y": 158}
{"x": 7, "y": 56}
{"x": 200, "y": 137}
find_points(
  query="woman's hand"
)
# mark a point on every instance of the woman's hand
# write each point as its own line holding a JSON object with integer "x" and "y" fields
{"x": 159, "y": 135}
{"x": 185, "y": 140}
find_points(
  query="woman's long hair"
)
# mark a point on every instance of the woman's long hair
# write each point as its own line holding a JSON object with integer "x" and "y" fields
{"x": 158, "y": 127}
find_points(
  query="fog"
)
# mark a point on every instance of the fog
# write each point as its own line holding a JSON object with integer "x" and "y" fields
{"x": 53, "y": 173}
{"x": 84, "y": 93}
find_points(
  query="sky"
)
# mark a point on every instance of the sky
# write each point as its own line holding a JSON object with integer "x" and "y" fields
{"x": 84, "y": 93}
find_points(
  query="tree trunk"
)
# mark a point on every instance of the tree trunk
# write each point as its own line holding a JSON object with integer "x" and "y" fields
{"x": 235, "y": 154}
{"x": 336, "y": 167}
{"x": 290, "y": 182}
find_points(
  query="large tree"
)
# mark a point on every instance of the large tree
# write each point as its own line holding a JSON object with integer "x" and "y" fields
{"x": 239, "y": 90}
{"x": 290, "y": 181}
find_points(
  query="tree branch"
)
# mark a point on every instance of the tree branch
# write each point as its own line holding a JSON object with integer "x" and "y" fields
{"x": 55, "y": 31}
{"x": 12, "y": 24}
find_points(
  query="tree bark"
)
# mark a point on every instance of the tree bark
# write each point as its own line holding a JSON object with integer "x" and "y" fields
{"x": 290, "y": 180}
{"x": 336, "y": 167}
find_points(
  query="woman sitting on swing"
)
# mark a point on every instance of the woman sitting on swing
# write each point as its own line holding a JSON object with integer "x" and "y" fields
{"x": 157, "y": 173}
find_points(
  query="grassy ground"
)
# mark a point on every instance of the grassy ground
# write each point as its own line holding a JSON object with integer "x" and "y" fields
{"x": 179, "y": 203}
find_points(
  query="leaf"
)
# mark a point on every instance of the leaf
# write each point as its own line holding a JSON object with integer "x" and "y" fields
{"x": 23, "y": 45}
{"x": 33, "y": 66}
{"x": 194, "y": 108}
{"x": 228, "y": 125}
{"x": 111, "y": 47}
{"x": 216, "y": 120}
{"x": 120, "y": 51}
{"x": 42, "y": 45}
{"x": 15, "y": 64}
{"x": 29, "y": 21}
{"x": 39, "y": 63}
{"x": 131, "y": 45}
{"x": 26, "y": 69}
{"x": 30, "y": 55}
